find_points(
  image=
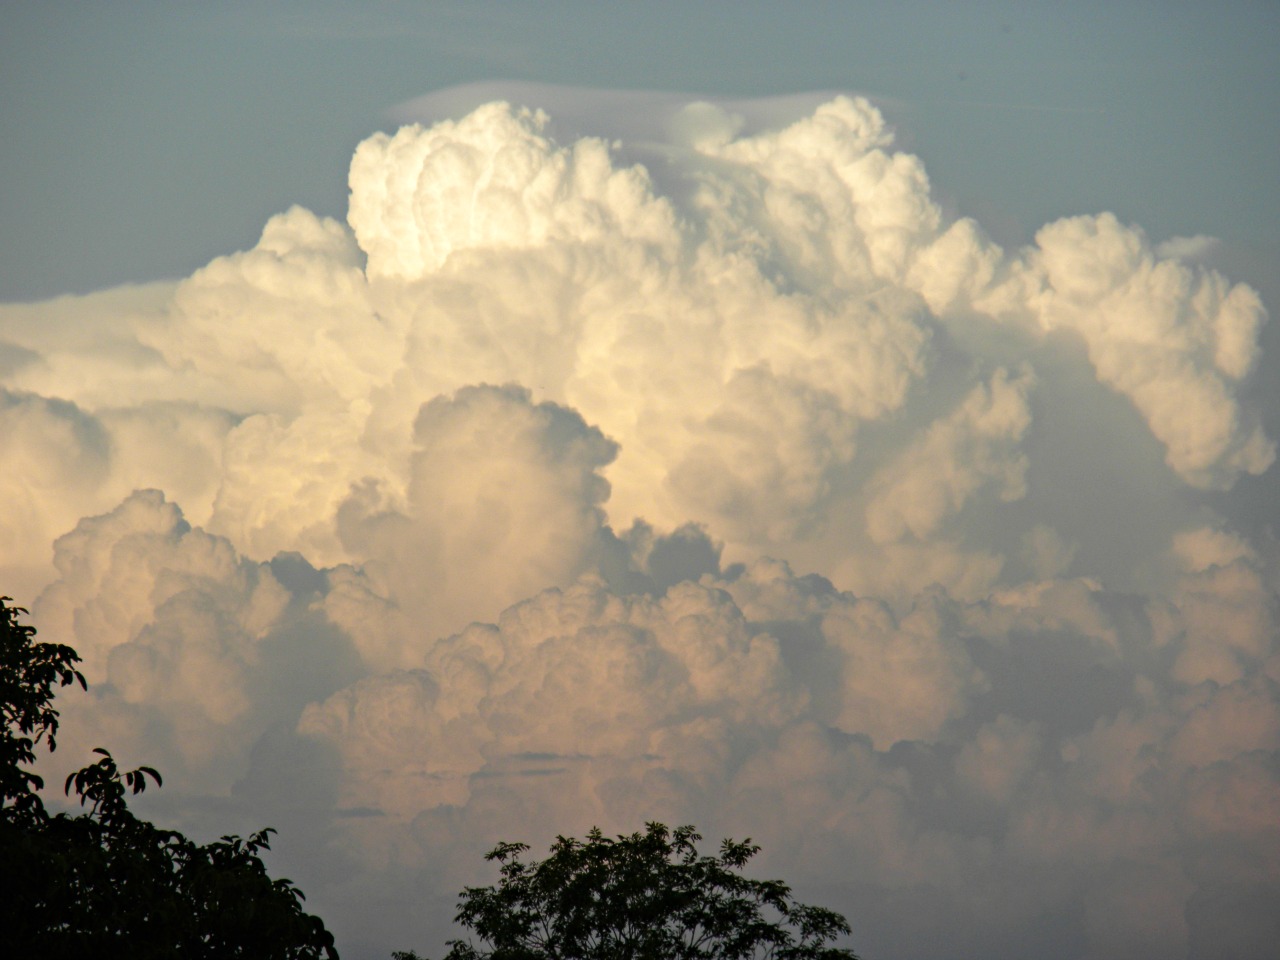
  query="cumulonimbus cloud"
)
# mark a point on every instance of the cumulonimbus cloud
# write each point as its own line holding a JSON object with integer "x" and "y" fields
{"x": 538, "y": 496}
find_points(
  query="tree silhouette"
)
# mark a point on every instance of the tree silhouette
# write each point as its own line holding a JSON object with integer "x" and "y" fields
{"x": 105, "y": 883}
{"x": 647, "y": 896}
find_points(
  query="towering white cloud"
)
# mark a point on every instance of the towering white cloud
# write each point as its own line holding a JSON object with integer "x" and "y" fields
{"x": 747, "y": 490}
{"x": 492, "y": 181}
{"x": 1173, "y": 338}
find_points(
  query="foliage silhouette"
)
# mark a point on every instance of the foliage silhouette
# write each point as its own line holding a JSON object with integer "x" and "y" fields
{"x": 647, "y": 896}
{"x": 106, "y": 883}
{"x": 28, "y": 673}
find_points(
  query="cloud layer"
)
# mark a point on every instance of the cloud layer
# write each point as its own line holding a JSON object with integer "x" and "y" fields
{"x": 537, "y": 497}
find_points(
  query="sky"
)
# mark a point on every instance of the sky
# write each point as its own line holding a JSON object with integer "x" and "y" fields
{"x": 849, "y": 426}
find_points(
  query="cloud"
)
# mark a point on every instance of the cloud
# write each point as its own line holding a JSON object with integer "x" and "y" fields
{"x": 183, "y": 640}
{"x": 504, "y": 497}
{"x": 974, "y": 446}
{"x": 740, "y": 488}
{"x": 1160, "y": 332}
{"x": 492, "y": 181}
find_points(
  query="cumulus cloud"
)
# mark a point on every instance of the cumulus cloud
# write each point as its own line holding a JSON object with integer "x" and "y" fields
{"x": 1172, "y": 338}
{"x": 974, "y": 446}
{"x": 183, "y": 639}
{"x": 504, "y": 497}
{"x": 492, "y": 181}
{"x": 740, "y": 488}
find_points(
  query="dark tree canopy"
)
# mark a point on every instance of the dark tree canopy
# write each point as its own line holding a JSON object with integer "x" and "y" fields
{"x": 28, "y": 673}
{"x": 647, "y": 896}
{"x": 106, "y": 883}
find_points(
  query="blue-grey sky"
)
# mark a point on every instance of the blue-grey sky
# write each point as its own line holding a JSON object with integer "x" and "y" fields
{"x": 138, "y": 140}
